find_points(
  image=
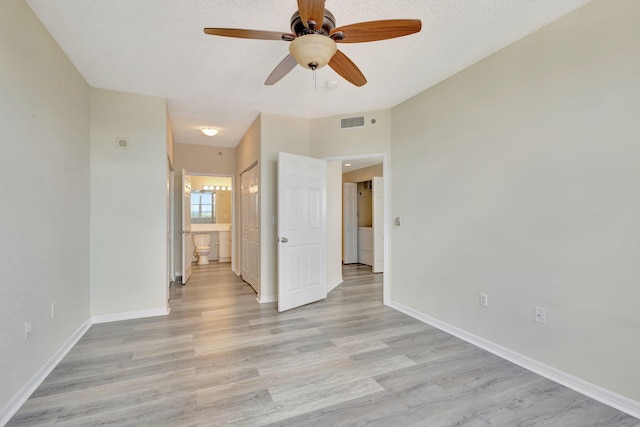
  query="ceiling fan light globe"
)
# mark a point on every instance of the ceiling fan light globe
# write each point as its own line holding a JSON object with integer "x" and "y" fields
{"x": 313, "y": 51}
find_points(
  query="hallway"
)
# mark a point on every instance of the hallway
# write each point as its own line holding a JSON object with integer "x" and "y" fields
{"x": 220, "y": 358}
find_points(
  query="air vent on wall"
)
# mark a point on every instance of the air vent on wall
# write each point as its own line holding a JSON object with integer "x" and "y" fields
{"x": 352, "y": 122}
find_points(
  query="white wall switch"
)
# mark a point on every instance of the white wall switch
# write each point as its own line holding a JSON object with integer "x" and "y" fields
{"x": 484, "y": 299}
{"x": 27, "y": 329}
{"x": 539, "y": 315}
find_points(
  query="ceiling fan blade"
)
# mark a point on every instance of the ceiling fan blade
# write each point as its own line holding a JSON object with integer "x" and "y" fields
{"x": 281, "y": 70}
{"x": 342, "y": 65}
{"x": 311, "y": 10}
{"x": 245, "y": 34}
{"x": 377, "y": 30}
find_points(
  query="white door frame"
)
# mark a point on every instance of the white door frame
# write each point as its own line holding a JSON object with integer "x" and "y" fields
{"x": 349, "y": 223}
{"x": 185, "y": 226}
{"x": 233, "y": 209}
{"x": 386, "y": 173}
{"x": 377, "y": 188}
{"x": 170, "y": 249}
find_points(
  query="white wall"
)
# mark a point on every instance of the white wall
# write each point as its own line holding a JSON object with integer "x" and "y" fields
{"x": 278, "y": 134}
{"x": 519, "y": 177}
{"x": 271, "y": 134}
{"x": 44, "y": 208}
{"x": 334, "y": 223}
{"x": 128, "y": 206}
{"x": 327, "y": 140}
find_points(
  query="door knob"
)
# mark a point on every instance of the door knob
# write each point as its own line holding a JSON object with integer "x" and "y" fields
{"x": 284, "y": 240}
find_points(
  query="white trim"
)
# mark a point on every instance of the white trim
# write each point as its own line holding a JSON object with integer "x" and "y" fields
{"x": 334, "y": 285}
{"x": 266, "y": 299}
{"x": 591, "y": 390}
{"x": 105, "y": 318}
{"x": 386, "y": 178}
{"x": 21, "y": 396}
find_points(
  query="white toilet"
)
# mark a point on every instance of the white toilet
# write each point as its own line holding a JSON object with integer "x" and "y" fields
{"x": 202, "y": 243}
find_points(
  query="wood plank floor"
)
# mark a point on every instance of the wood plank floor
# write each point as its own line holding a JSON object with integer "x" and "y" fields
{"x": 220, "y": 358}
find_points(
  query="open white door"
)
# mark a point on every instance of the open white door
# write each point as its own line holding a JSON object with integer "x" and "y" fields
{"x": 350, "y": 222}
{"x": 186, "y": 226}
{"x": 302, "y": 236}
{"x": 378, "y": 224}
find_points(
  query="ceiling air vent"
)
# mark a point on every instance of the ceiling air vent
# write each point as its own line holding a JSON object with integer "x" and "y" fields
{"x": 352, "y": 122}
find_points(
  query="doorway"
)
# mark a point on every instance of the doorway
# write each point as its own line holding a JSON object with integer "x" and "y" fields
{"x": 361, "y": 162}
{"x": 210, "y": 207}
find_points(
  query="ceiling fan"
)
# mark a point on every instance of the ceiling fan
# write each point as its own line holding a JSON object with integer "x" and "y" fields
{"x": 314, "y": 36}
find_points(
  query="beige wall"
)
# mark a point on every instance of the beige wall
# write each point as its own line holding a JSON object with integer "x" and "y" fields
{"x": 334, "y": 224}
{"x": 44, "y": 243}
{"x": 328, "y": 140}
{"x": 199, "y": 181}
{"x": 365, "y": 206}
{"x": 248, "y": 149}
{"x": 247, "y": 153}
{"x": 205, "y": 159}
{"x": 364, "y": 174}
{"x": 289, "y": 135}
{"x": 170, "y": 142}
{"x": 518, "y": 177}
{"x": 201, "y": 159}
{"x": 365, "y": 196}
{"x": 223, "y": 197}
{"x": 128, "y": 205}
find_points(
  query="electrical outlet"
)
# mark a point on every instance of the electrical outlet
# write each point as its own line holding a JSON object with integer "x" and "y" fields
{"x": 484, "y": 299}
{"x": 27, "y": 329}
{"x": 540, "y": 315}
{"x": 53, "y": 310}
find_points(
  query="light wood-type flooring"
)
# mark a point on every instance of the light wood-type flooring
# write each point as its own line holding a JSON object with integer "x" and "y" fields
{"x": 220, "y": 358}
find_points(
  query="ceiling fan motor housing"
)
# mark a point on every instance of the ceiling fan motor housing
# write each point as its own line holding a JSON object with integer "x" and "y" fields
{"x": 299, "y": 28}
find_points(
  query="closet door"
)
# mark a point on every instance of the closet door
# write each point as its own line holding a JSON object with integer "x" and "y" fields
{"x": 250, "y": 233}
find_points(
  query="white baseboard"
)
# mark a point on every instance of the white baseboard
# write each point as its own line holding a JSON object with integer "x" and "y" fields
{"x": 105, "y": 318}
{"x": 591, "y": 390}
{"x": 266, "y": 298}
{"x": 21, "y": 396}
{"x": 332, "y": 286}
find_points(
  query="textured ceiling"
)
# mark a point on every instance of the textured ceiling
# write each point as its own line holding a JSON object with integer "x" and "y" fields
{"x": 157, "y": 47}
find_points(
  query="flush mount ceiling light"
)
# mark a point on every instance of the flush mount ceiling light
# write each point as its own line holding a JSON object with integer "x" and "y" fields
{"x": 209, "y": 131}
